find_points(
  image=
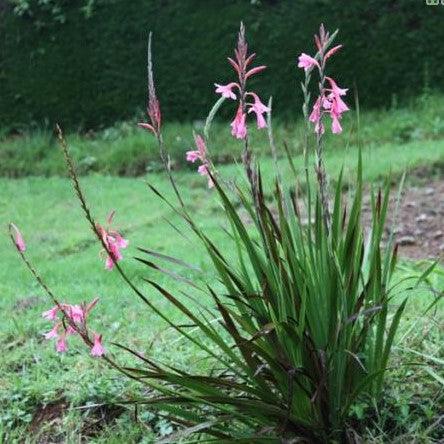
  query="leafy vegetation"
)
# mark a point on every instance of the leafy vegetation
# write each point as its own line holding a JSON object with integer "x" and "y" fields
{"x": 407, "y": 137}
{"x": 33, "y": 375}
{"x": 65, "y": 72}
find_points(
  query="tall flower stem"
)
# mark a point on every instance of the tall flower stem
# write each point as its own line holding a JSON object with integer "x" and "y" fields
{"x": 321, "y": 174}
{"x": 155, "y": 116}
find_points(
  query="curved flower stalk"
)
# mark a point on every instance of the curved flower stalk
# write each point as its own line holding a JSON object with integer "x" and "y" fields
{"x": 67, "y": 319}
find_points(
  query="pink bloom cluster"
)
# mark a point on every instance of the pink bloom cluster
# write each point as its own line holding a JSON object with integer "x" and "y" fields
{"x": 240, "y": 64}
{"x": 73, "y": 321}
{"x": 329, "y": 100}
{"x": 201, "y": 155}
{"x": 113, "y": 241}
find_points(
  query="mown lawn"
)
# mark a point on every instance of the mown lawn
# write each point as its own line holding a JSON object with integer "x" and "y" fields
{"x": 82, "y": 390}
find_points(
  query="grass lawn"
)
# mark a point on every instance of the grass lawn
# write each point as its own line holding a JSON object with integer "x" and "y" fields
{"x": 60, "y": 244}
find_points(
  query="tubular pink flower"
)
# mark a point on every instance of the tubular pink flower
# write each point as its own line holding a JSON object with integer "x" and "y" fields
{"x": 201, "y": 147}
{"x": 192, "y": 156}
{"x": 70, "y": 330}
{"x": 335, "y": 88}
{"x": 54, "y": 332}
{"x": 75, "y": 313}
{"x": 114, "y": 242}
{"x": 307, "y": 62}
{"x": 200, "y": 153}
{"x": 338, "y": 106}
{"x": 259, "y": 108}
{"x": 319, "y": 128}
{"x": 61, "y": 345}
{"x": 227, "y": 90}
{"x": 203, "y": 170}
{"x": 114, "y": 256}
{"x": 238, "y": 126}
{"x": 51, "y": 314}
{"x": 336, "y": 127}
{"x": 316, "y": 111}
{"x": 97, "y": 349}
{"x": 18, "y": 238}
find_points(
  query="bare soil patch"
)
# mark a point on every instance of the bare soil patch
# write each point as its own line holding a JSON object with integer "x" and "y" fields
{"x": 419, "y": 228}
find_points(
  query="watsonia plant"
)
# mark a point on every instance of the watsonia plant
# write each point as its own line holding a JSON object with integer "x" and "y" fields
{"x": 302, "y": 326}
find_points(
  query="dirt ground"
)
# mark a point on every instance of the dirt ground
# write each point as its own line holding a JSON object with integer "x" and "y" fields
{"x": 419, "y": 228}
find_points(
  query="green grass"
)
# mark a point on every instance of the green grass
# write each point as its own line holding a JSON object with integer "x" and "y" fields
{"x": 127, "y": 150}
{"x": 62, "y": 247}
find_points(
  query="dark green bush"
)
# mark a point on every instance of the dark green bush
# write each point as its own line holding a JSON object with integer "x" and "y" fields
{"x": 89, "y": 70}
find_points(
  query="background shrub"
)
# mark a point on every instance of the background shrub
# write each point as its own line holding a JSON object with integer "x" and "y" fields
{"x": 82, "y": 62}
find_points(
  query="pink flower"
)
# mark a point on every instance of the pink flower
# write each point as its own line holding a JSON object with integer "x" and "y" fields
{"x": 97, "y": 349}
{"x": 335, "y": 88}
{"x": 18, "y": 238}
{"x": 319, "y": 128}
{"x": 336, "y": 127}
{"x": 338, "y": 106}
{"x": 192, "y": 156}
{"x": 200, "y": 153}
{"x": 70, "y": 330}
{"x": 54, "y": 332}
{"x": 51, "y": 314}
{"x": 61, "y": 345}
{"x": 73, "y": 322}
{"x": 316, "y": 111}
{"x": 259, "y": 108}
{"x": 203, "y": 170}
{"x": 238, "y": 126}
{"x": 227, "y": 90}
{"x": 114, "y": 242}
{"x": 75, "y": 313}
{"x": 307, "y": 62}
